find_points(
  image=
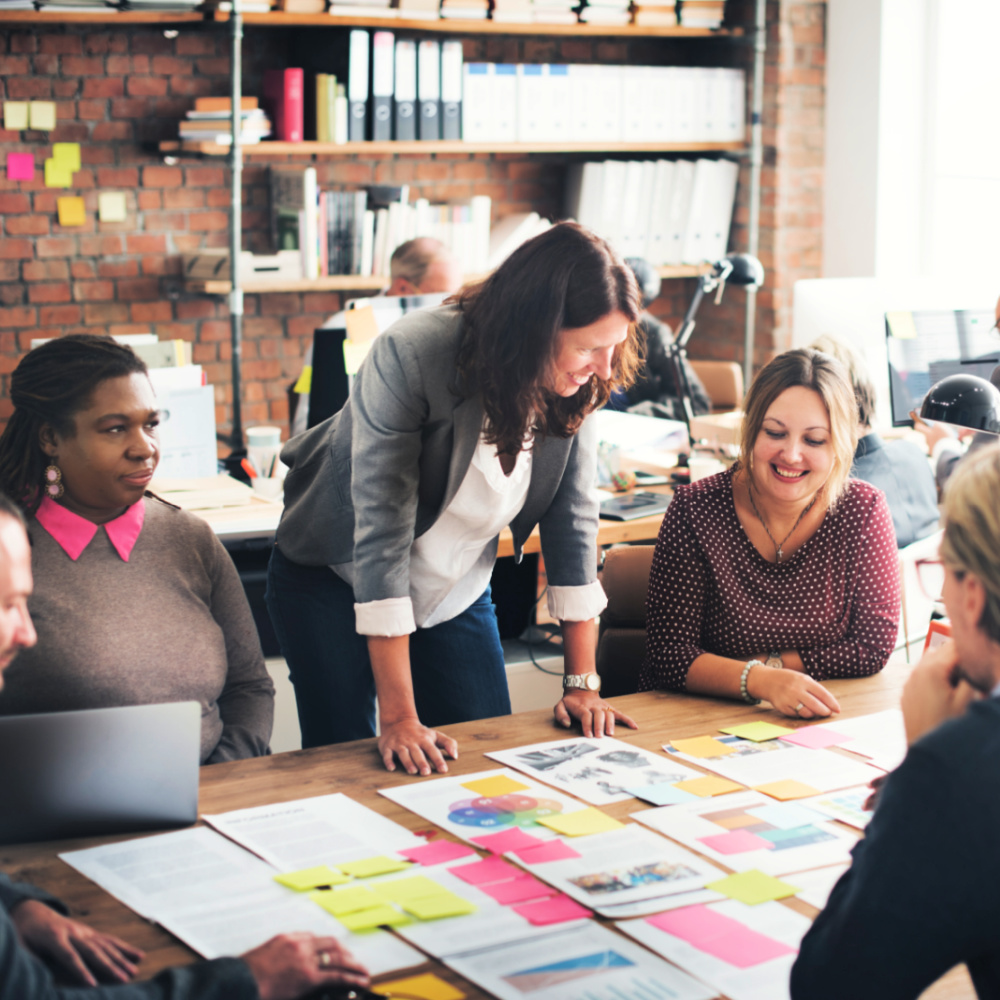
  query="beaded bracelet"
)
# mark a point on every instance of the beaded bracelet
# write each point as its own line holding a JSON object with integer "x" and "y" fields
{"x": 744, "y": 693}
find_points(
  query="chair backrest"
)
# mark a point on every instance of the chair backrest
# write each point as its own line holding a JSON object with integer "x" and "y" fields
{"x": 723, "y": 381}
{"x": 916, "y": 607}
{"x": 621, "y": 644}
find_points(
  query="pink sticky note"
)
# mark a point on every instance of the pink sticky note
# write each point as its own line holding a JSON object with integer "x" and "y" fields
{"x": 437, "y": 852}
{"x": 736, "y": 842}
{"x": 517, "y": 890}
{"x": 695, "y": 924}
{"x": 745, "y": 948}
{"x": 815, "y": 737}
{"x": 551, "y": 850}
{"x": 481, "y": 872}
{"x": 507, "y": 840}
{"x": 20, "y": 166}
{"x": 555, "y": 910}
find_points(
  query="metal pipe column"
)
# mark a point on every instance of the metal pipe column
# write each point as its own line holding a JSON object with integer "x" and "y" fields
{"x": 236, "y": 231}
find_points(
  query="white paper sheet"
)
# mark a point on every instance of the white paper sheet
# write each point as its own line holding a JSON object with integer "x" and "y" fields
{"x": 776, "y": 760}
{"x": 625, "y": 866}
{"x": 315, "y": 831}
{"x": 218, "y": 898}
{"x": 767, "y": 981}
{"x": 586, "y": 963}
{"x": 460, "y": 811}
{"x": 815, "y": 886}
{"x": 797, "y": 849}
{"x": 596, "y": 770}
{"x": 880, "y": 737}
{"x": 847, "y": 806}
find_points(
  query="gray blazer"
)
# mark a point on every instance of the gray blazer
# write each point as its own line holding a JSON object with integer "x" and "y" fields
{"x": 363, "y": 484}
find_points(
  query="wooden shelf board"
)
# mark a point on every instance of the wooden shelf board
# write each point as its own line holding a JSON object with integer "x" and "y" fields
{"x": 109, "y": 16}
{"x": 462, "y": 27}
{"x": 356, "y": 283}
{"x": 449, "y": 148}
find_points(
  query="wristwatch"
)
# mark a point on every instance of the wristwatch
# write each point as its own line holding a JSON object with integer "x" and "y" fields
{"x": 774, "y": 660}
{"x": 584, "y": 682}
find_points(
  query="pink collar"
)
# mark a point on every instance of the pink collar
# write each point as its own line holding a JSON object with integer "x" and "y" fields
{"x": 75, "y": 533}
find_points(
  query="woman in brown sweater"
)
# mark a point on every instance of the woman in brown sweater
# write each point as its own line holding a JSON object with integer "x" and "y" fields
{"x": 135, "y": 601}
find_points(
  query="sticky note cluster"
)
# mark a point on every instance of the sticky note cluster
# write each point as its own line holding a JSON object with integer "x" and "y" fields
{"x": 19, "y": 115}
{"x": 320, "y": 875}
{"x": 63, "y": 163}
{"x": 389, "y": 904}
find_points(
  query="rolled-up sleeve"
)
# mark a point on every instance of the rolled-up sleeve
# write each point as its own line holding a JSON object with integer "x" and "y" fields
{"x": 576, "y": 604}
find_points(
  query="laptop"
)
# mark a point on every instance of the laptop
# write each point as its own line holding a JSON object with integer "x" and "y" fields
{"x": 630, "y": 506}
{"x": 99, "y": 771}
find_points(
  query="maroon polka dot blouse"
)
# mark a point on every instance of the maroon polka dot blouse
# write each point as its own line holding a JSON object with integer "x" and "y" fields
{"x": 835, "y": 601}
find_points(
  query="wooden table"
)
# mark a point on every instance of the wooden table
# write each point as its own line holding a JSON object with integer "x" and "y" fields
{"x": 354, "y": 768}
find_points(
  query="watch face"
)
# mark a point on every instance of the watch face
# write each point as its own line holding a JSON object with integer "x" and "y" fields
{"x": 594, "y": 682}
{"x": 774, "y": 662}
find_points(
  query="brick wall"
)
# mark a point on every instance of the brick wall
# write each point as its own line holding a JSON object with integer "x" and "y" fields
{"x": 121, "y": 90}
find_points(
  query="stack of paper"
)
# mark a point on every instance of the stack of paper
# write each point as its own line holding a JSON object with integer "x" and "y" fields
{"x": 555, "y": 12}
{"x": 513, "y": 11}
{"x": 703, "y": 13}
{"x": 655, "y": 13}
{"x": 363, "y": 8}
{"x": 605, "y": 12}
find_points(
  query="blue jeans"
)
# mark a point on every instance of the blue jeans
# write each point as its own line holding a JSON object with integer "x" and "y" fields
{"x": 457, "y": 666}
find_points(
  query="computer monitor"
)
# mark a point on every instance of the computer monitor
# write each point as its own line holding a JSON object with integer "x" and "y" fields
{"x": 925, "y": 346}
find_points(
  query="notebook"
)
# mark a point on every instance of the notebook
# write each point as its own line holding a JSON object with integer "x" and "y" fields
{"x": 99, "y": 771}
{"x": 629, "y": 506}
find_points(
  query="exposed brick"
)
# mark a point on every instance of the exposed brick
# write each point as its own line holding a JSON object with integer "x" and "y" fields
{"x": 105, "y": 312}
{"x": 49, "y": 293}
{"x": 145, "y": 243}
{"x": 151, "y": 312}
{"x": 59, "y": 315}
{"x": 55, "y": 246}
{"x": 62, "y": 45}
{"x": 12, "y": 293}
{"x": 191, "y": 44}
{"x": 112, "y": 131}
{"x": 119, "y": 65}
{"x": 205, "y": 176}
{"x": 18, "y": 316}
{"x": 213, "y": 67}
{"x": 130, "y": 107}
{"x": 149, "y": 200}
{"x": 118, "y": 177}
{"x": 27, "y": 225}
{"x": 93, "y": 291}
{"x": 105, "y": 245}
{"x": 83, "y": 269}
{"x": 192, "y": 86}
{"x": 200, "y": 308}
{"x": 15, "y": 66}
{"x": 12, "y": 203}
{"x": 91, "y": 110}
{"x": 172, "y": 66}
{"x": 184, "y": 197}
{"x": 27, "y": 88}
{"x": 82, "y": 66}
{"x": 162, "y": 177}
{"x": 138, "y": 289}
{"x": 202, "y": 222}
{"x": 118, "y": 268}
{"x": 151, "y": 43}
{"x": 146, "y": 86}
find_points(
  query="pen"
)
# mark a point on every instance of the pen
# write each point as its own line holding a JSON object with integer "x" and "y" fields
{"x": 274, "y": 462}
{"x": 248, "y": 468}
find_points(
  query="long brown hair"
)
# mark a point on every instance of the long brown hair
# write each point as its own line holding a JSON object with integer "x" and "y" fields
{"x": 563, "y": 279}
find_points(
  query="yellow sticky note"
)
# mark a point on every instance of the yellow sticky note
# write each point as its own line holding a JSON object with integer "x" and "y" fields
{"x": 354, "y": 354}
{"x": 57, "y": 175}
{"x": 753, "y": 887}
{"x": 304, "y": 383}
{"x": 427, "y": 987}
{"x": 360, "y": 323}
{"x": 708, "y": 786}
{"x": 787, "y": 789}
{"x": 701, "y": 746}
{"x": 369, "y": 867}
{"x": 447, "y": 904}
{"x": 111, "y": 206}
{"x": 581, "y": 823}
{"x": 15, "y": 115}
{"x": 67, "y": 153}
{"x": 350, "y": 900}
{"x": 42, "y": 115}
{"x": 71, "y": 211}
{"x": 368, "y": 920}
{"x": 759, "y": 732}
{"x": 901, "y": 325}
{"x": 402, "y": 889}
{"x": 498, "y": 785}
{"x": 311, "y": 878}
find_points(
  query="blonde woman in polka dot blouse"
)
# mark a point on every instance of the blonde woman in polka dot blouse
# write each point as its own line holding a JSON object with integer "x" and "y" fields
{"x": 781, "y": 572}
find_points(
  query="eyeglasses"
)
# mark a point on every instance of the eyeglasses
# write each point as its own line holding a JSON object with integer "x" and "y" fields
{"x": 930, "y": 576}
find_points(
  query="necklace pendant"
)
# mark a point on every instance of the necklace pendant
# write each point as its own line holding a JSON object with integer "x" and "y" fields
{"x": 780, "y": 555}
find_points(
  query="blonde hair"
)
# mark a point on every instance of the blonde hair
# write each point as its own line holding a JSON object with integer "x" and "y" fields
{"x": 828, "y": 378}
{"x": 864, "y": 388}
{"x": 971, "y": 539}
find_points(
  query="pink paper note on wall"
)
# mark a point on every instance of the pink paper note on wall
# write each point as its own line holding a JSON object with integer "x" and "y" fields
{"x": 20, "y": 166}
{"x": 437, "y": 852}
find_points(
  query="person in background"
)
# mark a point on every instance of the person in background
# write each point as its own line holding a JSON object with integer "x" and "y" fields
{"x": 423, "y": 266}
{"x": 780, "y": 572}
{"x": 37, "y": 934}
{"x": 654, "y": 392}
{"x": 898, "y": 468}
{"x": 920, "y": 894}
{"x": 136, "y": 601}
{"x": 462, "y": 420}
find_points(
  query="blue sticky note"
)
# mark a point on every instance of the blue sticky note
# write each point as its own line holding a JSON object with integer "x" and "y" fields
{"x": 663, "y": 794}
{"x": 785, "y": 815}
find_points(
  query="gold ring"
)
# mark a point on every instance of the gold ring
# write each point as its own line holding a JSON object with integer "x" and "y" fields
{"x": 325, "y": 961}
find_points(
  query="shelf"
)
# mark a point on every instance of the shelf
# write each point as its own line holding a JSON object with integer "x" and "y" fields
{"x": 41, "y": 17}
{"x": 356, "y": 283}
{"x": 449, "y": 148}
{"x": 460, "y": 27}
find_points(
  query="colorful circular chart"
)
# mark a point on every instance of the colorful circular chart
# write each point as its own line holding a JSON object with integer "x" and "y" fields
{"x": 501, "y": 811}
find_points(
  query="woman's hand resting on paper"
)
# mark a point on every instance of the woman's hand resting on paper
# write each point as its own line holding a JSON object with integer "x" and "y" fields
{"x": 791, "y": 692}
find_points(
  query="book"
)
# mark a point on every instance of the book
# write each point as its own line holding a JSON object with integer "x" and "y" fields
{"x": 284, "y": 90}
{"x": 223, "y": 104}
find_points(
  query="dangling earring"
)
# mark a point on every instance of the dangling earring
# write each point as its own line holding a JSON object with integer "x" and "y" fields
{"x": 53, "y": 481}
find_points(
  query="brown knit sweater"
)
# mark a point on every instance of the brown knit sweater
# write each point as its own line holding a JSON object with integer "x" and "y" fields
{"x": 171, "y": 624}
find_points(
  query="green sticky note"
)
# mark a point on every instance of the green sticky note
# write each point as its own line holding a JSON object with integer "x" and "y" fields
{"x": 753, "y": 887}
{"x": 369, "y": 867}
{"x": 582, "y": 823}
{"x": 758, "y": 731}
{"x": 402, "y": 889}
{"x": 57, "y": 175}
{"x": 304, "y": 383}
{"x": 67, "y": 153}
{"x": 71, "y": 211}
{"x": 311, "y": 878}
{"x": 15, "y": 115}
{"x": 340, "y": 901}
{"x": 42, "y": 115}
{"x": 378, "y": 916}
{"x": 447, "y": 904}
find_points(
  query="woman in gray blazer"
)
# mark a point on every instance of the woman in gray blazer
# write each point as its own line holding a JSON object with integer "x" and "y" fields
{"x": 462, "y": 420}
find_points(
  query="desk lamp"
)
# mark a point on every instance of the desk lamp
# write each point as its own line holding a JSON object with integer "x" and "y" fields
{"x": 964, "y": 400}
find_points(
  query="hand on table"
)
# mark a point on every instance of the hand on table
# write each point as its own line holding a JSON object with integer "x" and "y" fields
{"x": 87, "y": 956}
{"x": 291, "y": 965}
{"x": 791, "y": 693}
{"x": 596, "y": 716}
{"x": 417, "y": 748}
{"x": 935, "y": 692}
